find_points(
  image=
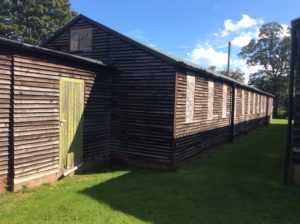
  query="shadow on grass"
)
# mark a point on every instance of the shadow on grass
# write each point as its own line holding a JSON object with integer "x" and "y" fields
{"x": 220, "y": 188}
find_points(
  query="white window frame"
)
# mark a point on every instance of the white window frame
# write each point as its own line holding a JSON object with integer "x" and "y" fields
{"x": 224, "y": 101}
{"x": 243, "y": 102}
{"x": 254, "y": 104}
{"x": 257, "y": 104}
{"x": 210, "y": 100}
{"x": 249, "y": 101}
{"x": 264, "y": 104}
{"x": 235, "y": 97}
{"x": 190, "y": 98}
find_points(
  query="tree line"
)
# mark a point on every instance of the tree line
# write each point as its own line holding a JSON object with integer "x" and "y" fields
{"x": 33, "y": 21}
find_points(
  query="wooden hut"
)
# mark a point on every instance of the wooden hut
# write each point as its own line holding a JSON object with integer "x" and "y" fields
{"x": 61, "y": 107}
{"x": 164, "y": 109}
{"x": 54, "y": 112}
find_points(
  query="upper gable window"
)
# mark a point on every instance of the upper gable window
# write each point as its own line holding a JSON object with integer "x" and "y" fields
{"x": 81, "y": 40}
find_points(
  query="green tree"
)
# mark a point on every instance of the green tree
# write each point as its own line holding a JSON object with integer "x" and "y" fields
{"x": 213, "y": 68}
{"x": 236, "y": 74}
{"x": 271, "y": 52}
{"x": 33, "y": 21}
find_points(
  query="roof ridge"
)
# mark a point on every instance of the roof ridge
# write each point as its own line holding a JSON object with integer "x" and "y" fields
{"x": 158, "y": 53}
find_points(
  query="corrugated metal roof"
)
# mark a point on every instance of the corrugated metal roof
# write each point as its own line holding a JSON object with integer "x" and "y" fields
{"x": 29, "y": 47}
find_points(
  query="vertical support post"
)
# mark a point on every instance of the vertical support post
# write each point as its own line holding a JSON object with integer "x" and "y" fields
{"x": 267, "y": 112}
{"x": 10, "y": 181}
{"x": 232, "y": 96}
{"x": 173, "y": 143}
{"x": 232, "y": 113}
{"x": 290, "y": 108}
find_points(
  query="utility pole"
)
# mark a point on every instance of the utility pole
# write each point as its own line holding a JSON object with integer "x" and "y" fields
{"x": 228, "y": 62}
{"x": 232, "y": 97}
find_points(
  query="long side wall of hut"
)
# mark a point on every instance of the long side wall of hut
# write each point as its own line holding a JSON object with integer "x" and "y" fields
{"x": 5, "y": 118}
{"x": 143, "y": 94}
{"x": 208, "y": 127}
{"x": 34, "y": 132}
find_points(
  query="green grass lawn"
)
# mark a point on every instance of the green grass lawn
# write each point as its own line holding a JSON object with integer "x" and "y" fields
{"x": 237, "y": 183}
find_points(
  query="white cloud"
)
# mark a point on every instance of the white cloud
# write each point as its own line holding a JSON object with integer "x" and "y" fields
{"x": 208, "y": 56}
{"x": 241, "y": 40}
{"x": 286, "y": 30}
{"x": 152, "y": 45}
{"x": 213, "y": 51}
{"x": 244, "y": 38}
{"x": 245, "y": 22}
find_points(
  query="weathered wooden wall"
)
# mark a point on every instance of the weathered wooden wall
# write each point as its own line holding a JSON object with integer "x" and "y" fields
{"x": 35, "y": 114}
{"x": 5, "y": 118}
{"x": 200, "y": 123}
{"x": 143, "y": 95}
{"x": 244, "y": 123}
{"x": 193, "y": 137}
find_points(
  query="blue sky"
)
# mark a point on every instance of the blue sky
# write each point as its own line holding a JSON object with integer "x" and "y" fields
{"x": 194, "y": 30}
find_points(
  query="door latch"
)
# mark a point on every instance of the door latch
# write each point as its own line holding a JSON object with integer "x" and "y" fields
{"x": 61, "y": 122}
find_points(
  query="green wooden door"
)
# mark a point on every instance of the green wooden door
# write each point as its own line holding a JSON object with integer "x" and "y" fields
{"x": 71, "y": 122}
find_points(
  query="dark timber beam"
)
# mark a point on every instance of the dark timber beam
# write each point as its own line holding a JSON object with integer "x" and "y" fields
{"x": 290, "y": 107}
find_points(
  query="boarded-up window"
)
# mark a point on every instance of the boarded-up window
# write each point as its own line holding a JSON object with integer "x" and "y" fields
{"x": 210, "y": 112}
{"x": 257, "y": 104}
{"x": 254, "y": 104}
{"x": 267, "y": 104}
{"x": 243, "y": 102}
{"x": 224, "y": 101}
{"x": 249, "y": 101}
{"x": 260, "y": 105}
{"x": 263, "y": 104}
{"x": 235, "y": 97}
{"x": 190, "y": 98}
{"x": 81, "y": 40}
